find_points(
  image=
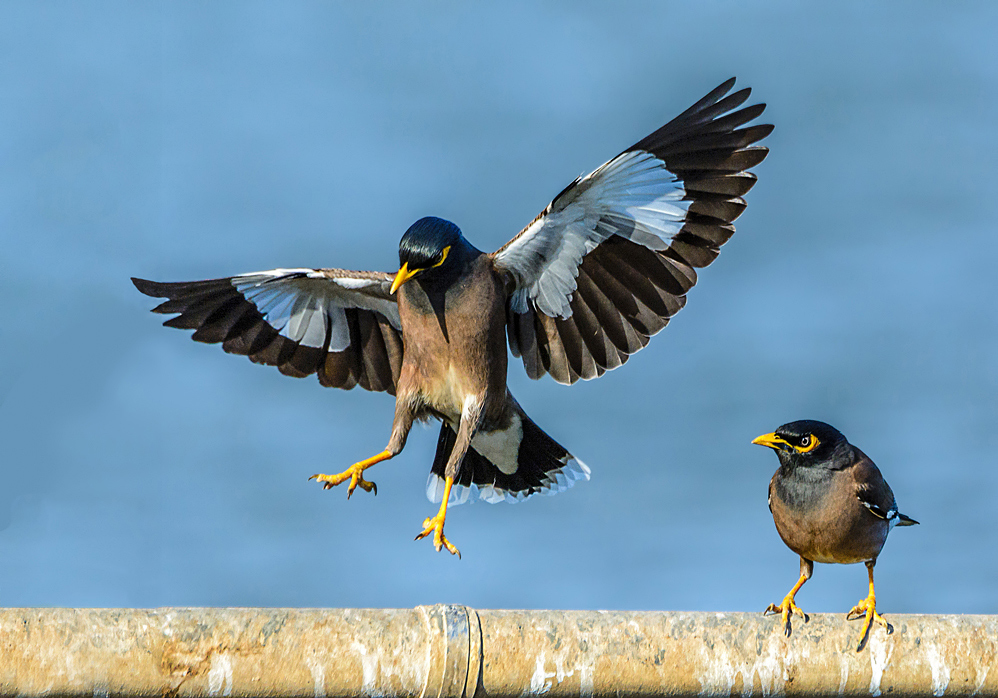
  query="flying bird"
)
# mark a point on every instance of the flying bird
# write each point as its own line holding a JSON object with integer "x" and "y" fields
{"x": 830, "y": 504}
{"x": 575, "y": 293}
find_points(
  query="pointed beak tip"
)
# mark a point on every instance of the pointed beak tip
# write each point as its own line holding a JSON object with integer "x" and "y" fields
{"x": 401, "y": 277}
{"x": 770, "y": 440}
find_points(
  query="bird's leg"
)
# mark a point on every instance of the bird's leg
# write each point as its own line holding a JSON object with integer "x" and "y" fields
{"x": 787, "y": 607}
{"x": 868, "y": 608}
{"x": 435, "y": 525}
{"x": 355, "y": 473}
{"x": 471, "y": 415}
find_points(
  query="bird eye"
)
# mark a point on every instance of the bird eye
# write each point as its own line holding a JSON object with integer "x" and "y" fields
{"x": 808, "y": 443}
{"x": 442, "y": 258}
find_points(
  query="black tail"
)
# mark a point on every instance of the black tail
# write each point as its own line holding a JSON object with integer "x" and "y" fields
{"x": 521, "y": 460}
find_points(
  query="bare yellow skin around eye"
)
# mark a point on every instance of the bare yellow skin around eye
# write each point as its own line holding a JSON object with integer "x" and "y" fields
{"x": 812, "y": 444}
{"x": 443, "y": 257}
{"x": 405, "y": 273}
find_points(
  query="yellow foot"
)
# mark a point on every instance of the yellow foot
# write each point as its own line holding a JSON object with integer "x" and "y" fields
{"x": 355, "y": 473}
{"x": 786, "y": 609}
{"x": 435, "y": 526}
{"x": 867, "y": 608}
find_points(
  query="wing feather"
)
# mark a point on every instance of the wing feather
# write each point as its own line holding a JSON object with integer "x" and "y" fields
{"x": 611, "y": 258}
{"x": 341, "y": 325}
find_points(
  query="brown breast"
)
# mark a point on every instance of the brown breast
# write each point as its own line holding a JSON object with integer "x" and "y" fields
{"x": 455, "y": 342}
{"x": 832, "y": 525}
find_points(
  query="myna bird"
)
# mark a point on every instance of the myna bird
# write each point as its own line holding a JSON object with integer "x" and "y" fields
{"x": 576, "y": 292}
{"x": 830, "y": 504}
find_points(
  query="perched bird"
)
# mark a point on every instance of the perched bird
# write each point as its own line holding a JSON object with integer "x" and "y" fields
{"x": 582, "y": 287}
{"x": 830, "y": 504}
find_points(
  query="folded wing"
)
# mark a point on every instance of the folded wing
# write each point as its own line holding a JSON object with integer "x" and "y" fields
{"x": 611, "y": 258}
{"x": 341, "y": 325}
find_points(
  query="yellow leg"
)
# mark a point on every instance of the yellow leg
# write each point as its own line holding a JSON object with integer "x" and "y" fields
{"x": 868, "y": 608}
{"x": 355, "y": 473}
{"x": 787, "y": 607}
{"x": 435, "y": 525}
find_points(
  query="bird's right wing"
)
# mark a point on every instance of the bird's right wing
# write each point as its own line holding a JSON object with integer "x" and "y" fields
{"x": 341, "y": 325}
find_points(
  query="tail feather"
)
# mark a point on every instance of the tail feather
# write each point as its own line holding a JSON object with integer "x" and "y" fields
{"x": 508, "y": 465}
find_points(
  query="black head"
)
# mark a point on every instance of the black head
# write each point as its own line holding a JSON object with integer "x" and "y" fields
{"x": 430, "y": 247}
{"x": 808, "y": 443}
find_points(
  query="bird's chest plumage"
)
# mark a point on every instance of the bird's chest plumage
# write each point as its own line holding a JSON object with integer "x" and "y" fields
{"x": 821, "y": 521}
{"x": 454, "y": 344}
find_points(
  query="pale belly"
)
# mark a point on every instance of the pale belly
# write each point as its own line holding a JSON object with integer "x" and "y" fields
{"x": 450, "y": 393}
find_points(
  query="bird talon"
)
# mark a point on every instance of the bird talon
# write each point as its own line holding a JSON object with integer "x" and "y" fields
{"x": 867, "y": 609}
{"x": 787, "y": 608}
{"x": 435, "y": 525}
{"x": 355, "y": 474}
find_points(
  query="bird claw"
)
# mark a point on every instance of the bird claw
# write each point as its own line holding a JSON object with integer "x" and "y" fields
{"x": 354, "y": 474}
{"x": 435, "y": 525}
{"x": 867, "y": 608}
{"x": 786, "y": 609}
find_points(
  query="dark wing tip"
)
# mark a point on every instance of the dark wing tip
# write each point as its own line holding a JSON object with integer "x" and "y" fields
{"x": 150, "y": 288}
{"x": 712, "y": 98}
{"x": 763, "y": 130}
{"x": 723, "y": 89}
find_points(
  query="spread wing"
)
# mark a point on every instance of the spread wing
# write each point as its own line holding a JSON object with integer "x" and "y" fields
{"x": 341, "y": 325}
{"x": 611, "y": 258}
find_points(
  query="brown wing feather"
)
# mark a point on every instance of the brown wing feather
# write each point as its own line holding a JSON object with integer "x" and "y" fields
{"x": 219, "y": 313}
{"x": 626, "y": 291}
{"x": 871, "y": 488}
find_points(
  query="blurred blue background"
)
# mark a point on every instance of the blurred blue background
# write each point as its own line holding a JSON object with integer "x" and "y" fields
{"x": 177, "y": 141}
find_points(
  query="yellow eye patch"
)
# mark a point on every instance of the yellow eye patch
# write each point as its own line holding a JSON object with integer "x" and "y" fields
{"x": 808, "y": 444}
{"x": 443, "y": 257}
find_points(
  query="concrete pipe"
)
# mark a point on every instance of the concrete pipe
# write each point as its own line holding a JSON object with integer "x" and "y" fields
{"x": 458, "y": 652}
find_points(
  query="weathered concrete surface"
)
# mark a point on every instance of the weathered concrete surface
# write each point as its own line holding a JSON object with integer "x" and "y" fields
{"x": 457, "y": 652}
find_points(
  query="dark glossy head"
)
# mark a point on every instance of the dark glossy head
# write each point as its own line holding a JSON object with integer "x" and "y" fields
{"x": 430, "y": 247}
{"x": 808, "y": 443}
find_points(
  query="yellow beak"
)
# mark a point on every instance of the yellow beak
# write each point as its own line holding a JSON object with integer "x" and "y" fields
{"x": 771, "y": 440}
{"x": 403, "y": 276}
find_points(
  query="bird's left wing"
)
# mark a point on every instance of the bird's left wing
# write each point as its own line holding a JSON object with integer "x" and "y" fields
{"x": 611, "y": 258}
{"x": 342, "y": 325}
{"x": 872, "y": 490}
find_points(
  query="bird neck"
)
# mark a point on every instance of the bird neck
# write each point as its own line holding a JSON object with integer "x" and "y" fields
{"x": 432, "y": 293}
{"x": 797, "y": 486}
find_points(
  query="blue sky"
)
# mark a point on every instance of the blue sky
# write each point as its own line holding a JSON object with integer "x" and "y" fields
{"x": 177, "y": 141}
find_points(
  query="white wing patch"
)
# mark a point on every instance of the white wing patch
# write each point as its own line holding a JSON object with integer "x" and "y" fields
{"x": 892, "y": 517}
{"x": 633, "y": 196}
{"x": 301, "y": 304}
